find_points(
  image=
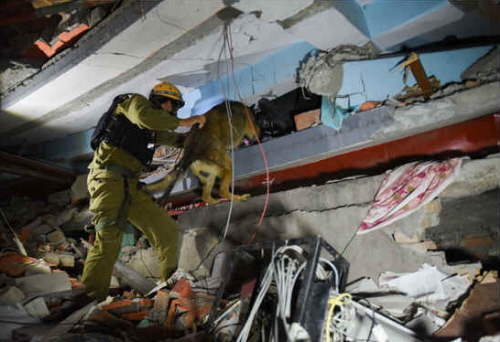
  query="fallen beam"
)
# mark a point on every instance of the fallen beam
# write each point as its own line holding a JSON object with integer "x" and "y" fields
{"x": 17, "y": 165}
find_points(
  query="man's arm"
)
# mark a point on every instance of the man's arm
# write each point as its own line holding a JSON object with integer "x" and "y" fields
{"x": 139, "y": 111}
{"x": 169, "y": 138}
{"x": 198, "y": 119}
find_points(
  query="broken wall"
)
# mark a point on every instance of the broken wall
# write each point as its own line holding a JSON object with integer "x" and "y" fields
{"x": 334, "y": 211}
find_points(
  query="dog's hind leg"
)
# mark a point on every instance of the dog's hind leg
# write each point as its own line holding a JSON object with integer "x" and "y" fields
{"x": 226, "y": 176}
{"x": 206, "y": 173}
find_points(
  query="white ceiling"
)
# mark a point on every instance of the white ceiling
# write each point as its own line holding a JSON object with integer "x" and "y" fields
{"x": 181, "y": 41}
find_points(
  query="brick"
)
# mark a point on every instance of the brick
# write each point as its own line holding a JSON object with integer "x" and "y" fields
{"x": 182, "y": 289}
{"x": 117, "y": 305}
{"x": 13, "y": 264}
{"x": 400, "y": 237}
{"x": 474, "y": 241}
{"x": 161, "y": 300}
{"x": 430, "y": 245}
{"x": 135, "y": 316}
{"x": 125, "y": 306}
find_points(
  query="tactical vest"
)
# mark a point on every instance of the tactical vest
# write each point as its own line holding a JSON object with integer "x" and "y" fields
{"x": 117, "y": 130}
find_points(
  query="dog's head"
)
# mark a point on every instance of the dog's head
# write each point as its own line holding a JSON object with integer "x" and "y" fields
{"x": 252, "y": 131}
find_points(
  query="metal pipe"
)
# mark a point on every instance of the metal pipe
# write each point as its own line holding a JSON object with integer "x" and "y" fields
{"x": 31, "y": 168}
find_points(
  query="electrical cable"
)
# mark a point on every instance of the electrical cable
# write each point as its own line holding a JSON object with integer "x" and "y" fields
{"x": 335, "y": 271}
{"x": 373, "y": 322}
{"x": 14, "y": 237}
{"x": 229, "y": 114}
{"x": 284, "y": 270}
{"x": 340, "y": 317}
{"x": 349, "y": 242}
{"x": 264, "y": 157}
{"x": 225, "y": 47}
{"x": 222, "y": 50}
{"x": 266, "y": 282}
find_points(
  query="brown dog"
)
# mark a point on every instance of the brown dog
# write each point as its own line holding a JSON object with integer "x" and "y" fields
{"x": 206, "y": 151}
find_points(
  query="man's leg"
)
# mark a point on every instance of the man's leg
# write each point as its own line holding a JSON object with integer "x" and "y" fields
{"x": 107, "y": 193}
{"x": 101, "y": 260}
{"x": 160, "y": 229}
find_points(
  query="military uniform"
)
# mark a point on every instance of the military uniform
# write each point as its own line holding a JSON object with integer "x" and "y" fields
{"x": 116, "y": 196}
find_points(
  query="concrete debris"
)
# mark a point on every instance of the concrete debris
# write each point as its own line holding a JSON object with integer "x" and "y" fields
{"x": 79, "y": 189}
{"x": 41, "y": 284}
{"x": 418, "y": 289}
{"x": 421, "y": 299}
{"x": 37, "y": 308}
{"x": 14, "y": 264}
{"x": 429, "y": 286}
{"x": 61, "y": 197}
{"x": 485, "y": 69}
{"x": 322, "y": 72}
{"x": 479, "y": 314}
{"x": 145, "y": 261}
{"x": 67, "y": 260}
{"x": 133, "y": 278}
{"x": 14, "y": 317}
{"x": 11, "y": 295}
{"x": 476, "y": 177}
{"x": 52, "y": 258}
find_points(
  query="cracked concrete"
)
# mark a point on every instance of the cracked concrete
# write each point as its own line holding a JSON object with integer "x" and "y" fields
{"x": 334, "y": 211}
{"x": 458, "y": 107}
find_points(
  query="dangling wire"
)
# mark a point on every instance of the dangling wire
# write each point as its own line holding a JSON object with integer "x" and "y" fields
{"x": 223, "y": 51}
{"x": 14, "y": 237}
{"x": 264, "y": 157}
{"x": 225, "y": 48}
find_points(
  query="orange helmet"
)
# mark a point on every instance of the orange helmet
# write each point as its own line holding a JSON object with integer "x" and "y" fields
{"x": 167, "y": 90}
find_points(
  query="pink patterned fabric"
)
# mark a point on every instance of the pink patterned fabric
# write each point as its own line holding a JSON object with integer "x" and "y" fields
{"x": 406, "y": 189}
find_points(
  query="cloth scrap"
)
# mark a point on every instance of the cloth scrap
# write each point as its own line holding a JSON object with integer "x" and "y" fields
{"x": 407, "y": 188}
{"x": 333, "y": 115}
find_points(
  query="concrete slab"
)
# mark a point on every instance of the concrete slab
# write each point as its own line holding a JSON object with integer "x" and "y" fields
{"x": 332, "y": 210}
{"x": 272, "y": 10}
{"x": 476, "y": 177}
{"x": 345, "y": 31}
{"x": 369, "y": 254}
{"x": 41, "y": 284}
{"x": 440, "y": 14}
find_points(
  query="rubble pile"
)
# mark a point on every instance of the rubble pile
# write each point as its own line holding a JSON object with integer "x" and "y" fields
{"x": 44, "y": 246}
{"x": 43, "y": 250}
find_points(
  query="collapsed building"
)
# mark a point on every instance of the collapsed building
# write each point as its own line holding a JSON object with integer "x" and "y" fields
{"x": 374, "y": 207}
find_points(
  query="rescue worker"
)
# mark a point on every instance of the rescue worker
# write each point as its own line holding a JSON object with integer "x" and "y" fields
{"x": 122, "y": 141}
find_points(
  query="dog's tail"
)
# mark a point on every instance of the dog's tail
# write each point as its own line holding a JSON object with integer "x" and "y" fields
{"x": 188, "y": 157}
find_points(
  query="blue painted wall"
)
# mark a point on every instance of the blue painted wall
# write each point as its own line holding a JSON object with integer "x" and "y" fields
{"x": 249, "y": 81}
{"x": 384, "y": 15}
{"x": 380, "y": 82}
{"x": 376, "y": 75}
{"x": 353, "y": 12}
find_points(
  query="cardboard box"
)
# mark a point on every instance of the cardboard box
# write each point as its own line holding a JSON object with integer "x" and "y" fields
{"x": 307, "y": 119}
